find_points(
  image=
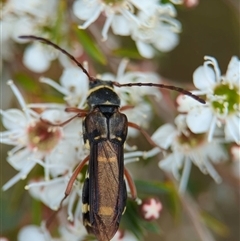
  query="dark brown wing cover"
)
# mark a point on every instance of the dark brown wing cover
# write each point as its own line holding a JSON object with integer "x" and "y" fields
{"x": 105, "y": 189}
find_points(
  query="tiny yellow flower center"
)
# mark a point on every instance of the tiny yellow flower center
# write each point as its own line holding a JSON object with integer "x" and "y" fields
{"x": 43, "y": 137}
{"x": 227, "y": 99}
{"x": 189, "y": 140}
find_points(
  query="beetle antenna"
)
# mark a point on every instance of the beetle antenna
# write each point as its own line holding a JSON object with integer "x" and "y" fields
{"x": 170, "y": 87}
{"x": 46, "y": 41}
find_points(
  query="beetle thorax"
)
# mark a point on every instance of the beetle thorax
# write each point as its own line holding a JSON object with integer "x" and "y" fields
{"x": 101, "y": 93}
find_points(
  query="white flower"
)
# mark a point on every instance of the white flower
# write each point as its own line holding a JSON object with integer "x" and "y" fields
{"x": 186, "y": 148}
{"x": 140, "y": 114}
{"x": 72, "y": 231}
{"x": 156, "y": 29}
{"x": 118, "y": 13}
{"x": 49, "y": 192}
{"x": 223, "y": 100}
{"x": 135, "y": 94}
{"x": 36, "y": 142}
{"x": 151, "y": 208}
{"x": 37, "y": 57}
{"x": 37, "y": 8}
{"x": 52, "y": 192}
{"x": 74, "y": 86}
{"x": 33, "y": 232}
{"x": 151, "y": 24}
{"x": 30, "y": 17}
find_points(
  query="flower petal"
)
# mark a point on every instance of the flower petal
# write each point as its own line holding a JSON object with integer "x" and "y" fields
{"x": 55, "y": 116}
{"x": 145, "y": 50}
{"x": 20, "y": 159}
{"x": 121, "y": 26}
{"x": 145, "y": 5}
{"x": 13, "y": 119}
{"x": 50, "y": 193}
{"x": 24, "y": 26}
{"x": 74, "y": 80}
{"x": 166, "y": 40}
{"x": 199, "y": 119}
{"x": 64, "y": 156}
{"x": 164, "y": 135}
{"x": 31, "y": 232}
{"x": 186, "y": 103}
{"x": 233, "y": 71}
{"x": 85, "y": 9}
{"x": 232, "y": 129}
{"x": 204, "y": 78}
{"x": 36, "y": 58}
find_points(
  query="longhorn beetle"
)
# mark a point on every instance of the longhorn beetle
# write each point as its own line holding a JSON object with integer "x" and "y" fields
{"x": 105, "y": 130}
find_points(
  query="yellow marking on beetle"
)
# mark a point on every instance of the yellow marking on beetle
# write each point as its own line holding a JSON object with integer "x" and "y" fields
{"x": 107, "y": 211}
{"x": 101, "y": 136}
{"x": 85, "y": 208}
{"x": 107, "y": 103}
{"x": 86, "y": 223}
{"x": 87, "y": 145}
{"x": 116, "y": 137}
{"x": 124, "y": 210}
{"x": 106, "y": 159}
{"x": 99, "y": 87}
{"x": 87, "y": 175}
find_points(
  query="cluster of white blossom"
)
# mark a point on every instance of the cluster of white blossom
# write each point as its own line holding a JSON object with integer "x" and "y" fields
{"x": 151, "y": 24}
{"x": 201, "y": 130}
{"x": 28, "y": 17}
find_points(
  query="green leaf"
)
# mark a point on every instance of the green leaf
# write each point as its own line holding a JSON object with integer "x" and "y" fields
{"x": 57, "y": 28}
{"x": 127, "y": 53}
{"x": 151, "y": 226}
{"x": 152, "y": 187}
{"x": 135, "y": 223}
{"x": 27, "y": 82}
{"x": 218, "y": 227}
{"x": 90, "y": 46}
{"x": 131, "y": 220}
{"x": 156, "y": 188}
{"x": 173, "y": 200}
{"x": 36, "y": 212}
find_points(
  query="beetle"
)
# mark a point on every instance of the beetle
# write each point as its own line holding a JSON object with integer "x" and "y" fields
{"x": 105, "y": 129}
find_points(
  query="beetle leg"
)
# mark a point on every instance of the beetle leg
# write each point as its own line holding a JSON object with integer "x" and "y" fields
{"x": 126, "y": 107}
{"x": 68, "y": 189}
{"x": 65, "y": 122}
{"x": 76, "y": 110}
{"x": 131, "y": 184}
{"x": 74, "y": 176}
{"x": 147, "y": 136}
